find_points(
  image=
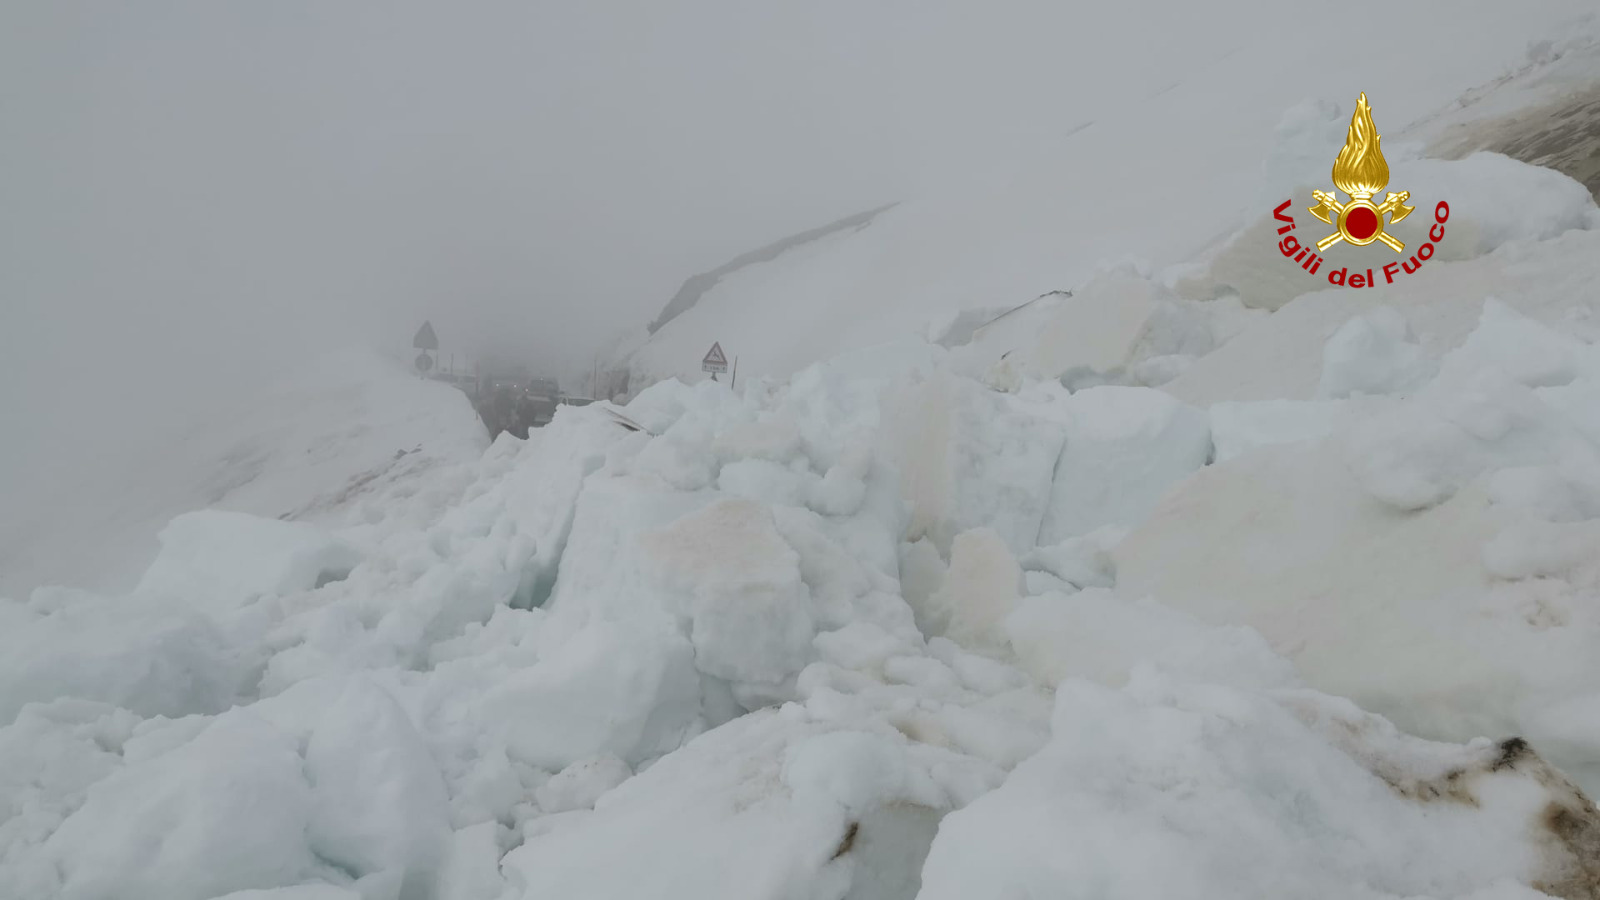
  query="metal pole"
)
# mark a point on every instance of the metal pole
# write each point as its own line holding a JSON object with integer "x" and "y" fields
{"x": 735, "y": 379}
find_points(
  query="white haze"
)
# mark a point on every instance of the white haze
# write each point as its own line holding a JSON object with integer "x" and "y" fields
{"x": 196, "y": 194}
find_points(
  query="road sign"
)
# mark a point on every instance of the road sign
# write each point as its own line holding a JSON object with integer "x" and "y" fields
{"x": 424, "y": 361}
{"x": 425, "y": 339}
{"x": 715, "y": 361}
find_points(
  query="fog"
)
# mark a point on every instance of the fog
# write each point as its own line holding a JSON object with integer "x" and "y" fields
{"x": 196, "y": 194}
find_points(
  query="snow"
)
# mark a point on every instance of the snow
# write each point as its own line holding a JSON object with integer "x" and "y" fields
{"x": 218, "y": 560}
{"x": 1131, "y": 593}
{"x": 1125, "y": 447}
{"x": 169, "y": 827}
{"x": 381, "y": 807}
{"x": 1373, "y": 353}
{"x": 1166, "y": 789}
{"x": 1428, "y": 560}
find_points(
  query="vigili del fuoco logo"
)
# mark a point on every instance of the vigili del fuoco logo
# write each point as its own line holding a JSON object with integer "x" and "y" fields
{"x": 1361, "y": 172}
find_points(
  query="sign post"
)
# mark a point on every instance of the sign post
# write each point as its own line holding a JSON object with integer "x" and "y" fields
{"x": 425, "y": 339}
{"x": 715, "y": 361}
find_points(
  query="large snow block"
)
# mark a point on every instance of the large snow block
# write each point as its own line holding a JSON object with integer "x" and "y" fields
{"x": 1125, "y": 448}
{"x": 219, "y": 561}
{"x": 380, "y": 803}
{"x": 732, "y": 577}
{"x": 225, "y": 811}
{"x": 978, "y": 591}
{"x": 627, "y": 689}
{"x": 132, "y": 652}
{"x": 967, "y": 458}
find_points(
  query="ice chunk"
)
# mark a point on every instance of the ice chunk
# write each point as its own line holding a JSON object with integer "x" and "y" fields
{"x": 380, "y": 804}
{"x": 642, "y": 676}
{"x": 738, "y": 585}
{"x": 133, "y": 652}
{"x": 1081, "y": 561}
{"x": 981, "y": 587}
{"x": 1125, "y": 448}
{"x": 967, "y": 459}
{"x": 1373, "y": 353}
{"x": 171, "y": 828}
{"x": 218, "y": 561}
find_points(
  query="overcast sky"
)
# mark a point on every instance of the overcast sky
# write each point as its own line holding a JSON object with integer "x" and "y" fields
{"x": 195, "y": 192}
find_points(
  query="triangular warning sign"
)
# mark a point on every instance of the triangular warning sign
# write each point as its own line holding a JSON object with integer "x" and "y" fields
{"x": 425, "y": 339}
{"x": 715, "y": 357}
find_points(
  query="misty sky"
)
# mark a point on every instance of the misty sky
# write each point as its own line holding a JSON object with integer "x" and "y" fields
{"x": 192, "y": 191}
{"x": 195, "y": 193}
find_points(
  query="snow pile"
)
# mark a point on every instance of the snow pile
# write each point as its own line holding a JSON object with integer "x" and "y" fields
{"x": 1064, "y": 609}
{"x": 1165, "y": 789}
{"x": 876, "y": 632}
{"x": 1430, "y": 555}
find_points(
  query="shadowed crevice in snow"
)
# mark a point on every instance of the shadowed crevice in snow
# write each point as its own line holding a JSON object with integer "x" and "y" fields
{"x": 540, "y": 573}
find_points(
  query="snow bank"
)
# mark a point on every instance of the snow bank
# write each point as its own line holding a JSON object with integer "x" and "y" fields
{"x": 1164, "y": 789}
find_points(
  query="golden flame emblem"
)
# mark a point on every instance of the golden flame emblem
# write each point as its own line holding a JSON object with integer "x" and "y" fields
{"x": 1360, "y": 171}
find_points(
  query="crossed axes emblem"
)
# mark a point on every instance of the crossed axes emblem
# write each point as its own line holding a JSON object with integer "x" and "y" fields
{"x": 1340, "y": 217}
